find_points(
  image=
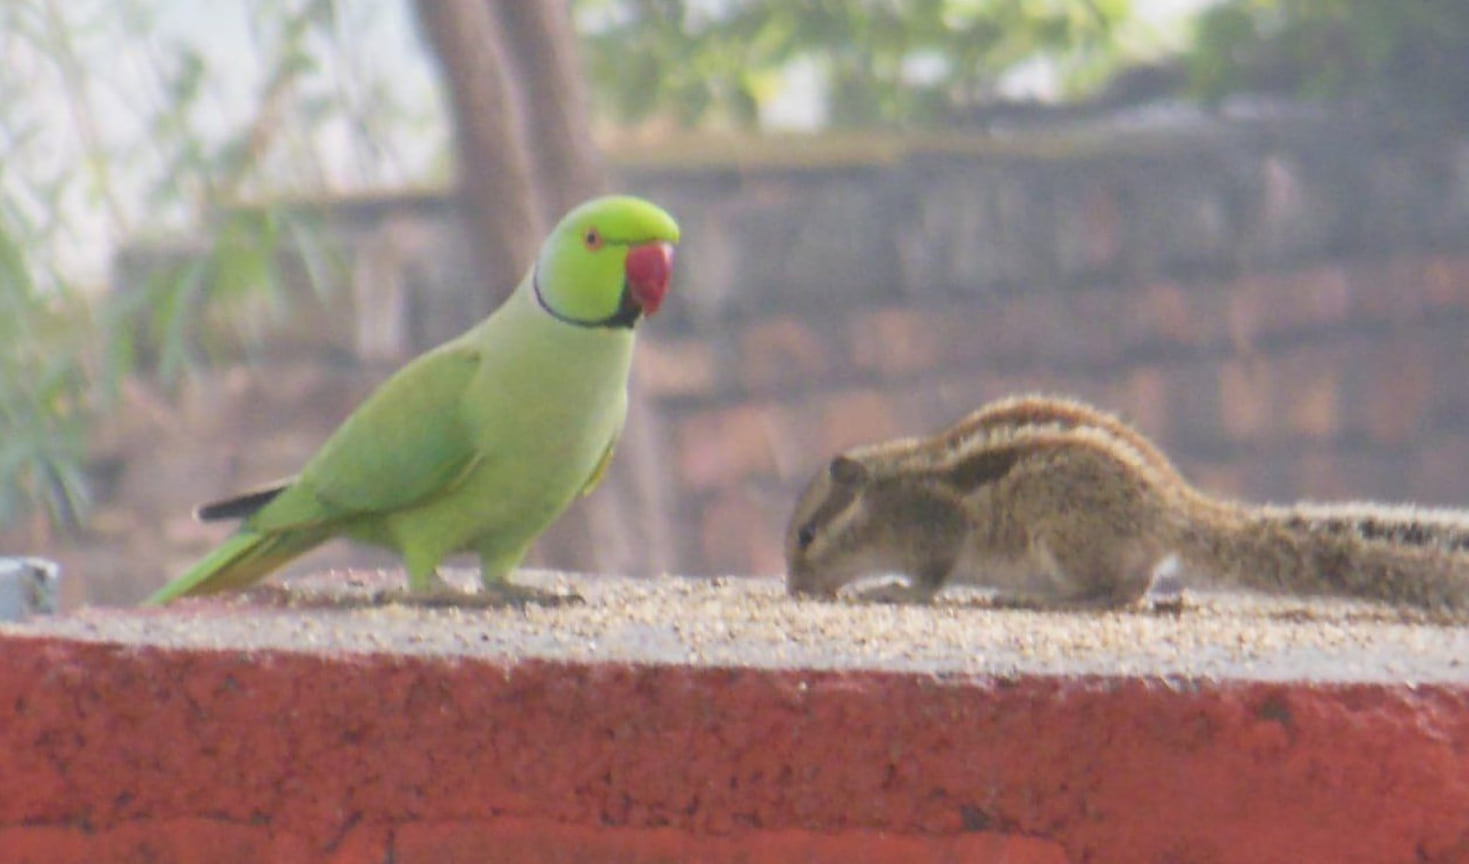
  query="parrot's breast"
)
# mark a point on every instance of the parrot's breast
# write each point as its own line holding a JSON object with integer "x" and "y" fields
{"x": 546, "y": 403}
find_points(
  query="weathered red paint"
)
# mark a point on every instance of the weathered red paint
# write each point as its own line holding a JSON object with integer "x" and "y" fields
{"x": 113, "y": 753}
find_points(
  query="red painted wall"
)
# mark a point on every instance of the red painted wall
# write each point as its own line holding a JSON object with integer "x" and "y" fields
{"x": 110, "y": 753}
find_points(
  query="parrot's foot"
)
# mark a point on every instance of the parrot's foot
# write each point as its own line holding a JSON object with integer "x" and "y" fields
{"x": 496, "y": 596}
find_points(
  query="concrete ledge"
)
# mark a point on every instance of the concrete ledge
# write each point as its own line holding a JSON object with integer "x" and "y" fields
{"x": 216, "y": 732}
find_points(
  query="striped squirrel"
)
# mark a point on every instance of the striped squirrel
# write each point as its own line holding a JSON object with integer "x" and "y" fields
{"x": 1056, "y": 504}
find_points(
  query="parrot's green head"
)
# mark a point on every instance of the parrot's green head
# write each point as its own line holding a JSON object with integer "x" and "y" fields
{"x": 607, "y": 263}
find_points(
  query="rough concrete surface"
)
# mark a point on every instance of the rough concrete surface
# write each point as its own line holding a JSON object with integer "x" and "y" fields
{"x": 680, "y": 720}
{"x": 751, "y": 622}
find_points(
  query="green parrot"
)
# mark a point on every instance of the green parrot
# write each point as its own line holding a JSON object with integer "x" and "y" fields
{"x": 479, "y": 444}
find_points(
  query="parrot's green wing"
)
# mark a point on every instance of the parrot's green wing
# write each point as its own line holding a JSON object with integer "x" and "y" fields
{"x": 408, "y": 442}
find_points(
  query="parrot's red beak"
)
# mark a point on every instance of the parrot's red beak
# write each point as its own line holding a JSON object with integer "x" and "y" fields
{"x": 649, "y": 268}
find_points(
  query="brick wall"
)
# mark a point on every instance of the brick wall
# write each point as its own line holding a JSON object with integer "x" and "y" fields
{"x": 1284, "y": 306}
{"x": 1303, "y": 383}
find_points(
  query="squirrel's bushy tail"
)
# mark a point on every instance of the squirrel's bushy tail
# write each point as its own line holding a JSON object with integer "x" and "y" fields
{"x": 1349, "y": 553}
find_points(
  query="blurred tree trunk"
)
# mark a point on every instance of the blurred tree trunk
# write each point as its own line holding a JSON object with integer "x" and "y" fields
{"x": 526, "y": 156}
{"x": 495, "y": 176}
{"x": 543, "y": 56}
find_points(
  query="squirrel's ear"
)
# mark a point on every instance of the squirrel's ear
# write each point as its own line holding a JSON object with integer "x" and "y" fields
{"x": 846, "y": 471}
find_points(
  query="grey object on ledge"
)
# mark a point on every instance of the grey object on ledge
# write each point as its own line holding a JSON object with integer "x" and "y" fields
{"x": 28, "y": 586}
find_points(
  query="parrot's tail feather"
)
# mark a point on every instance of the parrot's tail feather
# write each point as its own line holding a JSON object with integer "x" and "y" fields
{"x": 242, "y": 505}
{"x": 240, "y": 561}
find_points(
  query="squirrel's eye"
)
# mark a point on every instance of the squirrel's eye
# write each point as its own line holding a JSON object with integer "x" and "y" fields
{"x": 845, "y": 471}
{"x": 593, "y": 239}
{"x": 804, "y": 535}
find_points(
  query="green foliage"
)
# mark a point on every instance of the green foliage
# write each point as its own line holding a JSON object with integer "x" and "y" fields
{"x": 886, "y": 61}
{"x": 43, "y": 388}
{"x": 212, "y": 303}
{"x": 114, "y": 125}
{"x": 1410, "y": 54}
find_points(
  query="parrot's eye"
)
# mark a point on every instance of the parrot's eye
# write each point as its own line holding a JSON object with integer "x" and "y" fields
{"x": 593, "y": 239}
